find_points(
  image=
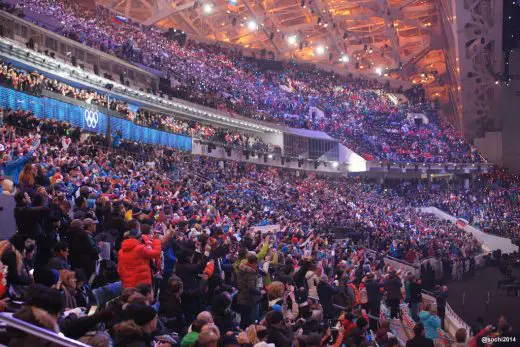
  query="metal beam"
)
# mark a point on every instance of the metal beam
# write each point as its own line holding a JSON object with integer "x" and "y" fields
{"x": 266, "y": 33}
{"x": 162, "y": 12}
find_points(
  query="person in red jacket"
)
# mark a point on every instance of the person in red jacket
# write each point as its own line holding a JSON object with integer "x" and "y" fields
{"x": 134, "y": 259}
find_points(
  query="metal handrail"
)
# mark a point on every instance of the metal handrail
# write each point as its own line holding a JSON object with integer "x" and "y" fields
{"x": 39, "y": 331}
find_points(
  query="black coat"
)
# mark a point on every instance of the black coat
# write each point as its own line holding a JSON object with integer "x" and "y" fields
{"x": 83, "y": 251}
{"x": 28, "y": 220}
{"x": 13, "y": 277}
{"x": 373, "y": 290}
{"x": 281, "y": 337}
{"x": 415, "y": 292}
{"x": 325, "y": 294}
{"x": 419, "y": 341}
{"x": 393, "y": 287}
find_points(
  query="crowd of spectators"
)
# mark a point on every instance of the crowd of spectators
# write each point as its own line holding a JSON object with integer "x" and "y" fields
{"x": 154, "y": 222}
{"x": 490, "y": 203}
{"x": 35, "y": 82}
{"x": 358, "y": 112}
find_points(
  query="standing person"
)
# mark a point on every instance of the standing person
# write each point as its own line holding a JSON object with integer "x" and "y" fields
{"x": 28, "y": 217}
{"x": 441, "y": 296}
{"x": 419, "y": 340}
{"x": 374, "y": 298}
{"x": 393, "y": 293}
{"x": 431, "y": 322}
{"x": 248, "y": 293}
{"x": 415, "y": 296}
{"x": 325, "y": 293}
{"x": 84, "y": 252}
{"x": 134, "y": 259}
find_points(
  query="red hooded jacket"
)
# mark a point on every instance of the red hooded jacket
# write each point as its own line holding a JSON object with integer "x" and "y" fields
{"x": 134, "y": 262}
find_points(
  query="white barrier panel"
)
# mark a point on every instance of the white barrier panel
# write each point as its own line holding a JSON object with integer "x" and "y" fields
{"x": 490, "y": 242}
{"x": 266, "y": 229}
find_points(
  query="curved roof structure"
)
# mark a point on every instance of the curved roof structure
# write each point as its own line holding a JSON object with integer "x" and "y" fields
{"x": 400, "y": 39}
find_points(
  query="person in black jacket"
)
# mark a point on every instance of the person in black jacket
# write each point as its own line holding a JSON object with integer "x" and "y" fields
{"x": 223, "y": 316}
{"x": 28, "y": 217}
{"x": 419, "y": 340}
{"x": 373, "y": 288}
{"x": 277, "y": 331}
{"x": 137, "y": 332}
{"x": 326, "y": 293}
{"x": 84, "y": 251}
{"x": 393, "y": 293}
{"x": 415, "y": 297}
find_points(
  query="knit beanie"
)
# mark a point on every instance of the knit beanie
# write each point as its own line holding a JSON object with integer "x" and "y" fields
{"x": 140, "y": 314}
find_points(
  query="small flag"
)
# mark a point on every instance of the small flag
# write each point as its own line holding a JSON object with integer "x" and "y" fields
{"x": 462, "y": 223}
{"x": 119, "y": 19}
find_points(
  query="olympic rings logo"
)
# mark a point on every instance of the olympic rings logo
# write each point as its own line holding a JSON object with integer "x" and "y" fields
{"x": 91, "y": 118}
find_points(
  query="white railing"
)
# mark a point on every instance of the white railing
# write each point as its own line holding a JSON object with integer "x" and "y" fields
{"x": 44, "y": 334}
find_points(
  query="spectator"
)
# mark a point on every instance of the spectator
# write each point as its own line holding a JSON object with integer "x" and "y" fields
{"x": 460, "y": 337}
{"x": 61, "y": 255}
{"x": 430, "y": 321}
{"x": 134, "y": 259}
{"x": 83, "y": 247}
{"x": 393, "y": 293}
{"x": 248, "y": 293}
{"x": 42, "y": 310}
{"x": 137, "y": 332}
{"x": 419, "y": 339}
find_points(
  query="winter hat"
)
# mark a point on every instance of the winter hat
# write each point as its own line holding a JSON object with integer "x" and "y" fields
{"x": 140, "y": 314}
{"x": 47, "y": 299}
{"x": 189, "y": 339}
{"x": 45, "y": 276}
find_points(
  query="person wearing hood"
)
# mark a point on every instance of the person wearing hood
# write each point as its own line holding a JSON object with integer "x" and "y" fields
{"x": 134, "y": 259}
{"x": 431, "y": 323}
{"x": 248, "y": 293}
{"x": 41, "y": 310}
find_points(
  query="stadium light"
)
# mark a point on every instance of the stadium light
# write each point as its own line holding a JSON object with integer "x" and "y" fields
{"x": 252, "y": 25}
{"x": 335, "y": 164}
{"x": 379, "y": 71}
{"x": 292, "y": 39}
{"x": 208, "y": 8}
{"x": 320, "y": 50}
{"x": 344, "y": 58}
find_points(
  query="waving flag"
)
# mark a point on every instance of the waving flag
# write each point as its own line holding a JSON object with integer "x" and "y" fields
{"x": 119, "y": 19}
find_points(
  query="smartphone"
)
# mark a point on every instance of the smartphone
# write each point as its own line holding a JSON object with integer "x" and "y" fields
{"x": 92, "y": 310}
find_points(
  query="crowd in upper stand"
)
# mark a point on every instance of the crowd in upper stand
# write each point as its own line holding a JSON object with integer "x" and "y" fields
{"x": 35, "y": 82}
{"x": 357, "y": 112}
{"x": 104, "y": 216}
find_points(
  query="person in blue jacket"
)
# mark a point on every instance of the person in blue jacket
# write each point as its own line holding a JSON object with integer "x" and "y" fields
{"x": 431, "y": 323}
{"x": 14, "y": 167}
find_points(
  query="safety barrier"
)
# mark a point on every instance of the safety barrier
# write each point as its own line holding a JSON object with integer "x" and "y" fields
{"x": 39, "y": 332}
{"x": 90, "y": 119}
